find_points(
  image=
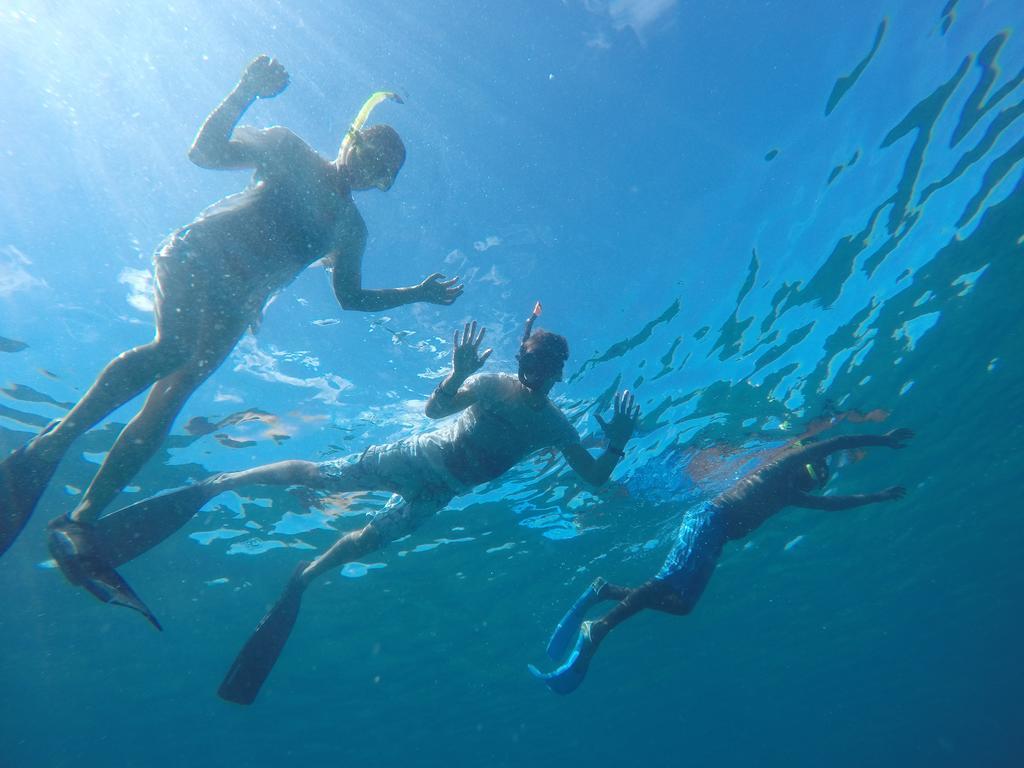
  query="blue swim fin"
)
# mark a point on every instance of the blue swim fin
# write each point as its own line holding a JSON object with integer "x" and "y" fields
{"x": 570, "y": 623}
{"x": 567, "y": 678}
{"x": 260, "y": 652}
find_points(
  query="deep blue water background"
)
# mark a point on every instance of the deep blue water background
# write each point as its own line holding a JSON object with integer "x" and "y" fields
{"x": 609, "y": 159}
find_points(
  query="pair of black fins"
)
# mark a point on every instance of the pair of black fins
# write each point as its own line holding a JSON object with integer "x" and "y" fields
{"x": 89, "y": 556}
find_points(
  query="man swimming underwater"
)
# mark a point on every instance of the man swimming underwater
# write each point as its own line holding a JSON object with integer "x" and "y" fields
{"x": 676, "y": 588}
{"x": 502, "y": 419}
{"x": 213, "y": 278}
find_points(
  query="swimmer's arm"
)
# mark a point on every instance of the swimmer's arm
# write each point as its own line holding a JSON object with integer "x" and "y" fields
{"x": 459, "y": 391}
{"x": 594, "y": 471}
{"x": 214, "y": 147}
{"x": 450, "y": 396}
{"x": 896, "y": 438}
{"x": 348, "y": 283}
{"x": 347, "y": 280}
{"x": 839, "y": 503}
{"x": 625, "y": 413}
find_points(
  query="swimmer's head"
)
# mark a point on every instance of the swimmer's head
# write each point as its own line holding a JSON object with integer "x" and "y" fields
{"x": 542, "y": 357}
{"x": 372, "y": 156}
{"x": 814, "y": 476}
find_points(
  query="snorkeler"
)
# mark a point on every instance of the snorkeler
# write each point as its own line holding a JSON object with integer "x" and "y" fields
{"x": 213, "y": 278}
{"x": 503, "y": 418}
{"x": 785, "y": 481}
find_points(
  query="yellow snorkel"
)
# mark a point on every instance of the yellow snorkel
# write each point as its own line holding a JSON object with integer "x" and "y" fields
{"x": 364, "y": 114}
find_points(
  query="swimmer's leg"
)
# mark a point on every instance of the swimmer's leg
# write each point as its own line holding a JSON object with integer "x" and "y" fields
{"x": 25, "y": 474}
{"x": 254, "y": 662}
{"x": 598, "y": 591}
{"x": 128, "y": 532}
{"x": 567, "y": 678}
{"x": 142, "y": 437}
{"x": 653, "y": 594}
{"x": 123, "y": 378}
{"x": 183, "y": 310}
{"x": 259, "y": 654}
{"x": 88, "y": 553}
{"x": 676, "y": 589}
{"x": 198, "y": 324}
{"x": 137, "y": 442}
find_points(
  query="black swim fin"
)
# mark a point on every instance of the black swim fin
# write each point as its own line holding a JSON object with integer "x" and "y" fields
{"x": 23, "y": 478}
{"x": 130, "y": 531}
{"x": 254, "y": 662}
{"x": 72, "y": 545}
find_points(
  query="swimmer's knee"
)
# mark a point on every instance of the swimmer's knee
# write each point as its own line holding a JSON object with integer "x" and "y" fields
{"x": 666, "y": 598}
{"x": 677, "y": 605}
{"x": 151, "y": 354}
{"x": 368, "y": 538}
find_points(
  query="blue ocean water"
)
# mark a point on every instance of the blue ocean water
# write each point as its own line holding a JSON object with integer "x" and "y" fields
{"x": 758, "y": 216}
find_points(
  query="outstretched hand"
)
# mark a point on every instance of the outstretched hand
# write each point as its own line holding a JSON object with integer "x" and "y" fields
{"x": 895, "y": 493}
{"x": 466, "y": 357}
{"x": 625, "y": 415}
{"x": 436, "y": 290}
{"x": 898, "y": 438}
{"x": 265, "y": 77}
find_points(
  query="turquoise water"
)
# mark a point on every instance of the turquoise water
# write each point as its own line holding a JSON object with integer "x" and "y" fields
{"x": 756, "y": 215}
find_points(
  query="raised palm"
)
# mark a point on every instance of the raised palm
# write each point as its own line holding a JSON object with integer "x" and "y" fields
{"x": 466, "y": 356}
{"x": 625, "y": 413}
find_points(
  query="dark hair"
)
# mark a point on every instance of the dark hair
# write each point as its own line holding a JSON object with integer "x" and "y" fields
{"x": 546, "y": 344}
{"x": 386, "y": 142}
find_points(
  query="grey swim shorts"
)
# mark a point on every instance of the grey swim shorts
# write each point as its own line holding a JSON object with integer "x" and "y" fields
{"x": 411, "y": 469}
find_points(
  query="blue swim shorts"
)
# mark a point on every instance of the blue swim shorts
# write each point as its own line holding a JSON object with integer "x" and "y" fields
{"x": 699, "y": 542}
